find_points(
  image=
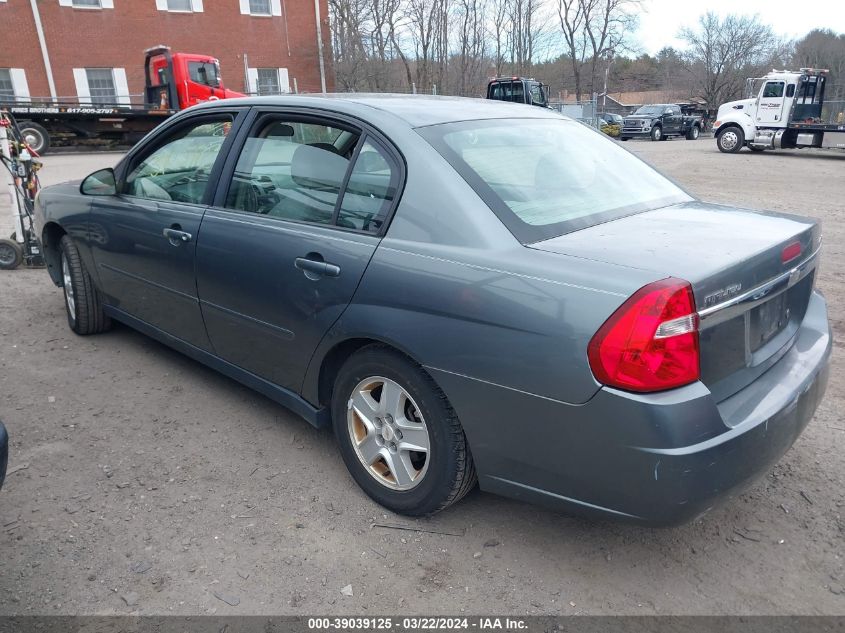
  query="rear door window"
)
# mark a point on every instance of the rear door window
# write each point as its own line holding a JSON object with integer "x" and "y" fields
{"x": 314, "y": 172}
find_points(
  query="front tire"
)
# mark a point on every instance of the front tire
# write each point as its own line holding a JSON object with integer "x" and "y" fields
{"x": 83, "y": 303}
{"x": 398, "y": 435}
{"x": 657, "y": 133}
{"x": 730, "y": 139}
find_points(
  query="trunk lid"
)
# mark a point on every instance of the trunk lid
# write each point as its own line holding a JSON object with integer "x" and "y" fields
{"x": 751, "y": 302}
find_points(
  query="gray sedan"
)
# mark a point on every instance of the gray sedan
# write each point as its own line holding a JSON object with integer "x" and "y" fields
{"x": 467, "y": 291}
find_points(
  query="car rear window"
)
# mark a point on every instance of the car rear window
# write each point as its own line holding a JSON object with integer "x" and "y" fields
{"x": 547, "y": 177}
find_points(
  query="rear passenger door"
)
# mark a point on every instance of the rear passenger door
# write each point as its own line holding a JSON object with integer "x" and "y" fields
{"x": 300, "y": 210}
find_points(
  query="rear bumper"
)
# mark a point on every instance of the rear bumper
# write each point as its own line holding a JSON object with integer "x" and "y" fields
{"x": 656, "y": 459}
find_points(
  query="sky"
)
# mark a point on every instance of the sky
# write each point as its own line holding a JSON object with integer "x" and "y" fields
{"x": 660, "y": 20}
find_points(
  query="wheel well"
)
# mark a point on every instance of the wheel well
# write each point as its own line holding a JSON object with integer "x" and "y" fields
{"x": 50, "y": 238}
{"x": 730, "y": 125}
{"x": 335, "y": 359}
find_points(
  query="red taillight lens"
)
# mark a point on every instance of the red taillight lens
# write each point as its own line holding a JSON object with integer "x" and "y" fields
{"x": 790, "y": 252}
{"x": 651, "y": 342}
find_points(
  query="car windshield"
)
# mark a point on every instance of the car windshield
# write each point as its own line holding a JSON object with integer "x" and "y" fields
{"x": 547, "y": 177}
{"x": 651, "y": 110}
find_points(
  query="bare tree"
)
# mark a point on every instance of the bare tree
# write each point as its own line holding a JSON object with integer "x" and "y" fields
{"x": 722, "y": 52}
{"x": 822, "y": 48}
{"x": 572, "y": 19}
{"x": 471, "y": 35}
{"x": 607, "y": 25}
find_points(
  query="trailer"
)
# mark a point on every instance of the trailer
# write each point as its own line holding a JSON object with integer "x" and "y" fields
{"x": 786, "y": 110}
{"x": 172, "y": 82}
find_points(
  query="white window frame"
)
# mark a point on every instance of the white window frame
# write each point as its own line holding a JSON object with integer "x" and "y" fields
{"x": 121, "y": 86}
{"x": 196, "y": 7}
{"x": 275, "y": 9}
{"x": 284, "y": 79}
{"x": 20, "y": 86}
{"x": 104, "y": 4}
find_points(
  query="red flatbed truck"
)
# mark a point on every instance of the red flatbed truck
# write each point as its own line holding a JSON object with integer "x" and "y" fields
{"x": 172, "y": 82}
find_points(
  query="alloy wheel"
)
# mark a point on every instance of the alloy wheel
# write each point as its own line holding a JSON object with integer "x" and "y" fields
{"x": 388, "y": 433}
{"x": 67, "y": 283}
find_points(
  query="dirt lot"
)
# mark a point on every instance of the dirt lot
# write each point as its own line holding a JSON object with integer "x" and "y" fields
{"x": 143, "y": 482}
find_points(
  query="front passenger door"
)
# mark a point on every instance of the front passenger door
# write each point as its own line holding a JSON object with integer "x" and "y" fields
{"x": 144, "y": 238}
{"x": 283, "y": 249}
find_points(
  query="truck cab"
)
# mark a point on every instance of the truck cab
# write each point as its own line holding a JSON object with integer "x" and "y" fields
{"x": 175, "y": 81}
{"x": 784, "y": 110}
{"x": 519, "y": 90}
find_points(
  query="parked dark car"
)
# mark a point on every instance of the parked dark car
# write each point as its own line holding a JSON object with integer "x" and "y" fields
{"x": 661, "y": 122}
{"x": 4, "y": 453}
{"x": 462, "y": 290}
{"x": 612, "y": 119}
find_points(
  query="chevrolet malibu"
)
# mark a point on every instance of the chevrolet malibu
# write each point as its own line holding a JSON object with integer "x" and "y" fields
{"x": 466, "y": 291}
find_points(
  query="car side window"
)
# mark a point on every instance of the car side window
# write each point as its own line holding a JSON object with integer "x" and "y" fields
{"x": 370, "y": 190}
{"x": 178, "y": 170}
{"x": 292, "y": 170}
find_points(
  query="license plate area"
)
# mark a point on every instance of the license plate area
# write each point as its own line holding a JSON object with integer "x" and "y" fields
{"x": 767, "y": 320}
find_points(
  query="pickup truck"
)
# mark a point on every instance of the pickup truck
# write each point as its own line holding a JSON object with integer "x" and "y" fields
{"x": 660, "y": 122}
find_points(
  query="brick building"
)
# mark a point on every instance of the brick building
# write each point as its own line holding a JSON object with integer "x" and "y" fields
{"x": 94, "y": 48}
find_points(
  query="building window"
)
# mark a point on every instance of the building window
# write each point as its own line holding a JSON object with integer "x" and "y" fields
{"x": 7, "y": 88}
{"x": 263, "y": 8}
{"x": 13, "y": 85}
{"x": 260, "y": 7}
{"x": 87, "y": 4}
{"x": 180, "y": 6}
{"x": 101, "y": 86}
{"x": 268, "y": 81}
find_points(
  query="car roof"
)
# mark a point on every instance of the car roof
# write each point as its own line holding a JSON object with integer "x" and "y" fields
{"x": 415, "y": 110}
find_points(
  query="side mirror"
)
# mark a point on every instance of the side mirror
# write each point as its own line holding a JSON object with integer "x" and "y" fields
{"x": 100, "y": 183}
{"x": 667, "y": 111}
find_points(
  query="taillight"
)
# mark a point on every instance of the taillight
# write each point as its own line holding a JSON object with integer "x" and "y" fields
{"x": 651, "y": 342}
{"x": 790, "y": 252}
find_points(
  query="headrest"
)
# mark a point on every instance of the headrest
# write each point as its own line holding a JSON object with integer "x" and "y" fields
{"x": 317, "y": 168}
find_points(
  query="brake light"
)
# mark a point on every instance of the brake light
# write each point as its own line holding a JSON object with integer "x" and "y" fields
{"x": 651, "y": 342}
{"x": 790, "y": 252}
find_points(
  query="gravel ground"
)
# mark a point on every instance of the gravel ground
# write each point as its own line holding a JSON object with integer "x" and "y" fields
{"x": 142, "y": 482}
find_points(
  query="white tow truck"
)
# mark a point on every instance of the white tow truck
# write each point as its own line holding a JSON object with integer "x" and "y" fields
{"x": 789, "y": 111}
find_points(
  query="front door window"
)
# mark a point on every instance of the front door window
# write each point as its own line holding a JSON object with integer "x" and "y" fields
{"x": 179, "y": 169}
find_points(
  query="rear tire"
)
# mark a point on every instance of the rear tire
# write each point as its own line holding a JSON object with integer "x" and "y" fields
{"x": 374, "y": 435}
{"x": 730, "y": 139}
{"x": 693, "y": 133}
{"x": 624, "y": 138}
{"x": 756, "y": 149}
{"x": 83, "y": 302}
{"x": 36, "y": 136}
{"x": 11, "y": 254}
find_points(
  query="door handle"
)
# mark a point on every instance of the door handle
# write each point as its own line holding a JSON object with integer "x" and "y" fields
{"x": 176, "y": 236}
{"x": 314, "y": 267}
